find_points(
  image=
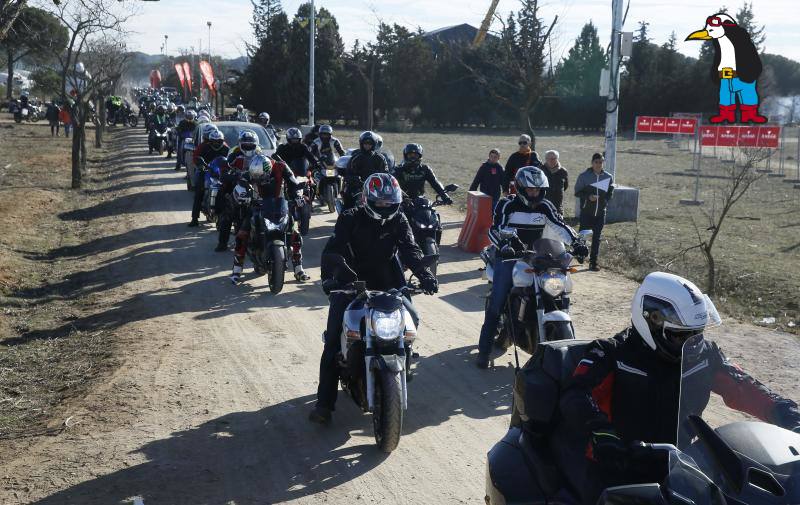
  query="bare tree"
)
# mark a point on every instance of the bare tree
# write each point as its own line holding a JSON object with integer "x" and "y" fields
{"x": 740, "y": 177}
{"x": 105, "y": 59}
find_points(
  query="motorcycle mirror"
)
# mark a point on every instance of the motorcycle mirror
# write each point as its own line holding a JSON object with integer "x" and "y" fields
{"x": 451, "y": 187}
{"x": 507, "y": 252}
{"x": 585, "y": 234}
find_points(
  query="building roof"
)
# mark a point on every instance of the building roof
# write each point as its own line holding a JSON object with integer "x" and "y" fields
{"x": 456, "y": 34}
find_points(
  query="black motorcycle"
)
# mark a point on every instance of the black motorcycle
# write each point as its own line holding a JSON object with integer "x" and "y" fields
{"x": 540, "y": 460}
{"x": 158, "y": 139}
{"x": 537, "y": 308}
{"x": 270, "y": 232}
{"x": 426, "y": 223}
{"x": 375, "y": 361}
{"x": 302, "y": 212}
{"x": 328, "y": 180}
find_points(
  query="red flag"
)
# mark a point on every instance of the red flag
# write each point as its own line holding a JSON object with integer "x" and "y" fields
{"x": 181, "y": 76}
{"x": 187, "y": 72}
{"x": 208, "y": 75}
{"x": 155, "y": 79}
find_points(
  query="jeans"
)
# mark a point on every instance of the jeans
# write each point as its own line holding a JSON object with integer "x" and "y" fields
{"x": 729, "y": 89}
{"x": 589, "y": 221}
{"x": 501, "y": 286}
{"x": 328, "y": 369}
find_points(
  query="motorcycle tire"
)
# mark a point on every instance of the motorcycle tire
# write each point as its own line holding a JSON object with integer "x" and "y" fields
{"x": 161, "y": 148}
{"x": 277, "y": 269}
{"x": 387, "y": 419}
{"x": 429, "y": 248}
{"x": 305, "y": 219}
{"x": 330, "y": 198}
{"x": 133, "y": 121}
{"x": 34, "y": 118}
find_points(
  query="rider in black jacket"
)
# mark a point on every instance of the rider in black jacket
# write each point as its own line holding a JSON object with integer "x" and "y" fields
{"x": 364, "y": 162}
{"x": 369, "y": 238}
{"x": 294, "y": 150}
{"x": 413, "y": 174}
{"x": 626, "y": 388}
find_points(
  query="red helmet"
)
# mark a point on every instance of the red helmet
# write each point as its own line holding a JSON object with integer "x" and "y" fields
{"x": 381, "y": 197}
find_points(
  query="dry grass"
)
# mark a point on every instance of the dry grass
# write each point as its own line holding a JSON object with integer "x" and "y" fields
{"x": 759, "y": 247}
{"x": 43, "y": 360}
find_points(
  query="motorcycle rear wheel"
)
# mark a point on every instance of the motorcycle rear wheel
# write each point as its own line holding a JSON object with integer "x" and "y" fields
{"x": 330, "y": 197}
{"x": 277, "y": 269}
{"x": 387, "y": 419}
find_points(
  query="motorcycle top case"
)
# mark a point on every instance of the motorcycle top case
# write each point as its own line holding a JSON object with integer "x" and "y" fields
{"x": 537, "y": 386}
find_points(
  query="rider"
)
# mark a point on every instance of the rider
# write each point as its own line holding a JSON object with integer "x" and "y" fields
{"x": 204, "y": 154}
{"x": 369, "y": 238}
{"x": 239, "y": 160}
{"x": 326, "y": 143}
{"x": 311, "y": 136}
{"x": 248, "y": 147}
{"x": 263, "y": 119}
{"x": 413, "y": 174}
{"x": 268, "y": 178}
{"x": 241, "y": 114}
{"x": 180, "y": 114}
{"x": 626, "y": 388}
{"x": 294, "y": 150}
{"x": 187, "y": 125}
{"x": 158, "y": 121}
{"x": 519, "y": 221}
{"x": 366, "y": 160}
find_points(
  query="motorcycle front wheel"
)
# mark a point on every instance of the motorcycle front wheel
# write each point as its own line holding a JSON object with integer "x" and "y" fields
{"x": 305, "y": 219}
{"x": 160, "y": 147}
{"x": 17, "y": 118}
{"x": 34, "y": 118}
{"x": 330, "y": 197}
{"x": 133, "y": 121}
{"x": 277, "y": 269}
{"x": 429, "y": 248}
{"x": 387, "y": 419}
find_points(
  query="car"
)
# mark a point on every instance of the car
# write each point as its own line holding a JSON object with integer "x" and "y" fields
{"x": 231, "y": 131}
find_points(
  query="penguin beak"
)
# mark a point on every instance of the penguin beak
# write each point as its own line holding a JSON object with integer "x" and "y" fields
{"x": 699, "y": 35}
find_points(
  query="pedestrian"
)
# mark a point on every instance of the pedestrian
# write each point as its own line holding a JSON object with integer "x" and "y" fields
{"x": 594, "y": 194}
{"x": 558, "y": 177}
{"x": 65, "y": 116}
{"x": 489, "y": 179}
{"x": 51, "y": 114}
{"x": 524, "y": 157}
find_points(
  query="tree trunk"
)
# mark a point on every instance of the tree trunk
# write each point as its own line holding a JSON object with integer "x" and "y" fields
{"x": 100, "y": 127}
{"x": 711, "y": 279}
{"x": 77, "y": 131}
{"x": 10, "y": 79}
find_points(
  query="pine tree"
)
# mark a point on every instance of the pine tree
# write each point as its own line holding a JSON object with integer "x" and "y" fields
{"x": 264, "y": 12}
{"x": 579, "y": 73}
{"x": 746, "y": 19}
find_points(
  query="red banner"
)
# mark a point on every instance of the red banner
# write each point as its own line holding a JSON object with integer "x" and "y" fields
{"x": 181, "y": 76}
{"x": 208, "y": 75}
{"x": 187, "y": 72}
{"x": 708, "y": 135}
{"x": 644, "y": 124}
{"x": 769, "y": 136}
{"x": 688, "y": 126}
{"x": 659, "y": 125}
{"x": 673, "y": 125}
{"x": 748, "y": 136}
{"x": 155, "y": 79}
{"x": 728, "y": 136}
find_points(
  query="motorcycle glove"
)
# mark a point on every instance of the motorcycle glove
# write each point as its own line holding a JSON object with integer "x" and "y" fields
{"x": 447, "y": 200}
{"x": 609, "y": 449}
{"x": 429, "y": 284}
{"x": 580, "y": 249}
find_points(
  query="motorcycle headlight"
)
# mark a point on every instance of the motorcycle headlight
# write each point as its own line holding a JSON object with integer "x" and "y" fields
{"x": 553, "y": 282}
{"x": 330, "y": 172}
{"x": 388, "y": 325}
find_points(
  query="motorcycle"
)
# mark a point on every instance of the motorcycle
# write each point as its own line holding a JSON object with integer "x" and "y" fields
{"x": 212, "y": 186}
{"x": 301, "y": 170}
{"x": 30, "y": 113}
{"x": 426, "y": 223}
{"x": 537, "y": 308}
{"x": 377, "y": 338}
{"x": 158, "y": 139}
{"x": 328, "y": 180}
{"x": 271, "y": 231}
{"x": 171, "y": 141}
{"x": 186, "y": 159}
{"x": 540, "y": 460}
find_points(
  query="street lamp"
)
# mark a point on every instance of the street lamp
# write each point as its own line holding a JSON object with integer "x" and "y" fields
{"x": 166, "y": 51}
{"x": 209, "y": 41}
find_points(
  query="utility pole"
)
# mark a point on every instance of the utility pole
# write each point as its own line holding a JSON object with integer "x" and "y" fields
{"x": 612, "y": 103}
{"x": 313, "y": 25}
{"x": 210, "y": 96}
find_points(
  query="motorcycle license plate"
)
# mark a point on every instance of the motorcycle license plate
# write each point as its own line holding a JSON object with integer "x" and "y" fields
{"x": 330, "y": 172}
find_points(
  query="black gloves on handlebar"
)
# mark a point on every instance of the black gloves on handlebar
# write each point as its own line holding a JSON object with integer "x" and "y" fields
{"x": 329, "y": 285}
{"x": 609, "y": 450}
{"x": 447, "y": 200}
{"x": 513, "y": 245}
{"x": 580, "y": 250}
{"x": 429, "y": 284}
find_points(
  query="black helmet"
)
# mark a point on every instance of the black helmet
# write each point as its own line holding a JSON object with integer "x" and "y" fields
{"x": 381, "y": 197}
{"x": 160, "y": 109}
{"x": 367, "y": 137}
{"x": 412, "y": 148}
{"x": 531, "y": 177}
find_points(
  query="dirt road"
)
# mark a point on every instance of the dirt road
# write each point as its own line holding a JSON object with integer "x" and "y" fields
{"x": 210, "y": 404}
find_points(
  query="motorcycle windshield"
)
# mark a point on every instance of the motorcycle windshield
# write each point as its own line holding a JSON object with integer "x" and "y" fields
{"x": 548, "y": 253}
{"x": 274, "y": 209}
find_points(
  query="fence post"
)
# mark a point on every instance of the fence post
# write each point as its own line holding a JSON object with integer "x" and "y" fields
{"x": 781, "y": 172}
{"x": 797, "y": 161}
{"x": 635, "y": 129}
{"x": 696, "y": 160}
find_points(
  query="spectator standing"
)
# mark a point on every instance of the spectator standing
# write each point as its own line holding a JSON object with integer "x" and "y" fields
{"x": 65, "y": 115}
{"x": 558, "y": 177}
{"x": 51, "y": 113}
{"x": 524, "y": 157}
{"x": 594, "y": 201}
{"x": 489, "y": 179}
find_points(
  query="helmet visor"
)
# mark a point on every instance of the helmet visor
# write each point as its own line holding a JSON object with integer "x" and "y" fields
{"x": 247, "y": 146}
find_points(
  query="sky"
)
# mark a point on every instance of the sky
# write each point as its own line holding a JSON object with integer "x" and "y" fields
{"x": 184, "y": 21}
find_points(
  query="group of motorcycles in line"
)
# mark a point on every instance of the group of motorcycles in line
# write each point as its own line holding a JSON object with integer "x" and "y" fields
{"x": 737, "y": 463}
{"x": 26, "y": 111}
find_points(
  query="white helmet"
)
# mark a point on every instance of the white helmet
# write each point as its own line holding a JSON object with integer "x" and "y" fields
{"x": 240, "y": 107}
{"x": 207, "y": 129}
{"x": 667, "y": 310}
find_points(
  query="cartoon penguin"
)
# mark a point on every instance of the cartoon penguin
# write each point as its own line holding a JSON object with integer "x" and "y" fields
{"x": 736, "y": 68}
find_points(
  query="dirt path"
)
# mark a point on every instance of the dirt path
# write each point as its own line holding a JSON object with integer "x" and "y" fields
{"x": 210, "y": 404}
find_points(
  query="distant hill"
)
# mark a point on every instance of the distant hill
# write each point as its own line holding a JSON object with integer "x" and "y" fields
{"x": 138, "y": 73}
